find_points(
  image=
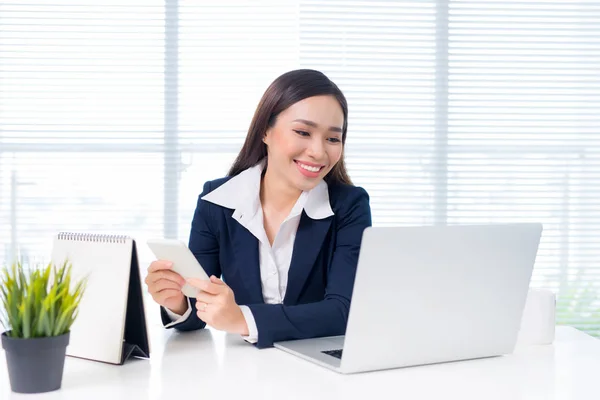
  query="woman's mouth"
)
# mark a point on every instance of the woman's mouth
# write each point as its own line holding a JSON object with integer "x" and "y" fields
{"x": 309, "y": 169}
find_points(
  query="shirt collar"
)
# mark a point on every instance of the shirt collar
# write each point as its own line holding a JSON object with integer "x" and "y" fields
{"x": 242, "y": 194}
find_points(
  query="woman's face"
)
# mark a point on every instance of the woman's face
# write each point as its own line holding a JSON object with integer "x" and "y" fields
{"x": 305, "y": 142}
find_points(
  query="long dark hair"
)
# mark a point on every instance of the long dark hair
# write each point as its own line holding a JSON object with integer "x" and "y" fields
{"x": 286, "y": 90}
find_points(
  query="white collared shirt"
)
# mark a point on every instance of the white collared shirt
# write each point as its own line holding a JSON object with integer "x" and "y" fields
{"x": 242, "y": 194}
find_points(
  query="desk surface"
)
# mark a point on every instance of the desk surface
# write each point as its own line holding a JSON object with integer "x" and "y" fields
{"x": 209, "y": 364}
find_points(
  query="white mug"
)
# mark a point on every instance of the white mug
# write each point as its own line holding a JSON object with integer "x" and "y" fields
{"x": 539, "y": 318}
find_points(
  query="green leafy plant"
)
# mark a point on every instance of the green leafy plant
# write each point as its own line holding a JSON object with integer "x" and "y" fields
{"x": 40, "y": 302}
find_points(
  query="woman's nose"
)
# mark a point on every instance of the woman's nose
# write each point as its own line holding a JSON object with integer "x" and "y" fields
{"x": 316, "y": 149}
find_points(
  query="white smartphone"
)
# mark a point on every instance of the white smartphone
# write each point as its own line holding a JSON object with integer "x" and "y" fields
{"x": 184, "y": 261}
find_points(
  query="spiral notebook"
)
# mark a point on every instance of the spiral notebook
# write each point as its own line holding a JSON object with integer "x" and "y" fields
{"x": 111, "y": 323}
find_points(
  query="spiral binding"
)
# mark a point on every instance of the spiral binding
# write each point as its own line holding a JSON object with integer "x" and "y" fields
{"x": 92, "y": 237}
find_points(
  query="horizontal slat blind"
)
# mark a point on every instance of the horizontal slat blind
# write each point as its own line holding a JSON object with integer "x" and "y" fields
{"x": 81, "y": 120}
{"x": 382, "y": 55}
{"x": 229, "y": 53}
{"x": 84, "y": 73}
{"x": 113, "y": 114}
{"x": 524, "y": 134}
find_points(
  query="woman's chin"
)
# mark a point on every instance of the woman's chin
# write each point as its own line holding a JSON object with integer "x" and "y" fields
{"x": 305, "y": 184}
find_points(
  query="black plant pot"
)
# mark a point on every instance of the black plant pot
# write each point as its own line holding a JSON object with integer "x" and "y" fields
{"x": 35, "y": 365}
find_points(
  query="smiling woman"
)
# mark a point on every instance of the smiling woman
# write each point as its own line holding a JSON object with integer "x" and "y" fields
{"x": 311, "y": 146}
{"x": 283, "y": 230}
{"x": 303, "y": 101}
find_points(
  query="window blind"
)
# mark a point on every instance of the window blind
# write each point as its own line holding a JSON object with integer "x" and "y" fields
{"x": 383, "y": 57}
{"x": 81, "y": 121}
{"x": 524, "y": 135}
{"x": 113, "y": 115}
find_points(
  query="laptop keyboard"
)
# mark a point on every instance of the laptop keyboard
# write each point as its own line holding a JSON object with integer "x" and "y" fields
{"x": 334, "y": 353}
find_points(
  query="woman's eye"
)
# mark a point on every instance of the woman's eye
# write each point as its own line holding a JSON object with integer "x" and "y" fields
{"x": 301, "y": 133}
{"x": 334, "y": 140}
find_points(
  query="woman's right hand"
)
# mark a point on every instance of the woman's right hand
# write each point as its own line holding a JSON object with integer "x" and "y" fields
{"x": 165, "y": 286}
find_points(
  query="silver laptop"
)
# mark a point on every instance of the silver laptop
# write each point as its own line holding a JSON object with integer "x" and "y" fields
{"x": 425, "y": 295}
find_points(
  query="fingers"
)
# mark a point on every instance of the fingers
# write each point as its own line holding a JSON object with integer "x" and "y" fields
{"x": 216, "y": 280}
{"x": 208, "y": 298}
{"x": 164, "y": 289}
{"x": 159, "y": 265}
{"x": 201, "y": 307}
{"x": 162, "y": 296}
{"x": 208, "y": 286}
{"x": 165, "y": 284}
{"x": 197, "y": 283}
{"x": 165, "y": 274}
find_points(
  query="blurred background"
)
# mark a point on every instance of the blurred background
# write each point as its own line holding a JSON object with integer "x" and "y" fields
{"x": 113, "y": 114}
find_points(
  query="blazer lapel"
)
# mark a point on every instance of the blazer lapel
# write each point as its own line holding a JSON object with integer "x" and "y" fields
{"x": 245, "y": 247}
{"x": 309, "y": 241}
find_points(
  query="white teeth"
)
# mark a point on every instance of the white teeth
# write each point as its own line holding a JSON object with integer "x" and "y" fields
{"x": 308, "y": 168}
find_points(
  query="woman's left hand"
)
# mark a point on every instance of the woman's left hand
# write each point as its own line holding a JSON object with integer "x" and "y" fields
{"x": 215, "y": 305}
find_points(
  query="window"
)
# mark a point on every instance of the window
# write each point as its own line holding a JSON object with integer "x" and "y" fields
{"x": 113, "y": 115}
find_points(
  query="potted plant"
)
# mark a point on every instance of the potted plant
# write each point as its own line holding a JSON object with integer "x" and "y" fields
{"x": 40, "y": 305}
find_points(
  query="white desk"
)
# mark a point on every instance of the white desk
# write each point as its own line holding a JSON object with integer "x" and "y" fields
{"x": 211, "y": 365}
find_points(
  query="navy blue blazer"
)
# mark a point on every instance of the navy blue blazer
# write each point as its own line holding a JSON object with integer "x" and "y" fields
{"x": 321, "y": 275}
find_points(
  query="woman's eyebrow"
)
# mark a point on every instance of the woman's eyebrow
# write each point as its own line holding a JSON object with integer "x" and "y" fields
{"x": 315, "y": 125}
